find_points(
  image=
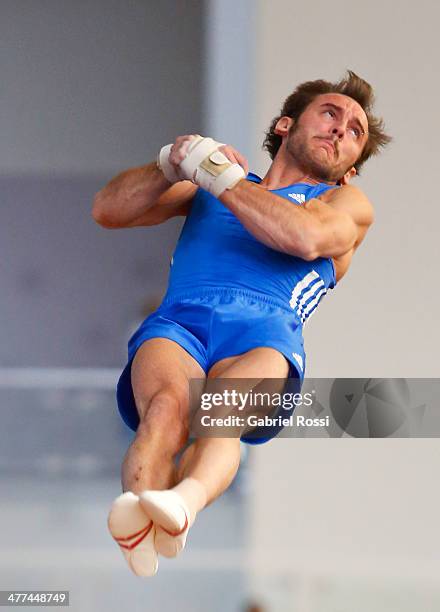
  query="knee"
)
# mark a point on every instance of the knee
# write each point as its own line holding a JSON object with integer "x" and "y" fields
{"x": 166, "y": 413}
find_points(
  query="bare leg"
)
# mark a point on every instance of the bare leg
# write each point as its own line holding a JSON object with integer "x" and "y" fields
{"x": 160, "y": 374}
{"x": 213, "y": 462}
{"x": 209, "y": 465}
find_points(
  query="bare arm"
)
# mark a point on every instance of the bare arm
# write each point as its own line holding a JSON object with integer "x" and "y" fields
{"x": 141, "y": 196}
{"x": 327, "y": 227}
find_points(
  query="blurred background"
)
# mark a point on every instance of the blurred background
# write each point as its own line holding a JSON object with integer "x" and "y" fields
{"x": 91, "y": 88}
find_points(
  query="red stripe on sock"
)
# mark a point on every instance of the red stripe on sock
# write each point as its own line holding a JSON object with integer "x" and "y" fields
{"x": 177, "y": 533}
{"x": 142, "y": 533}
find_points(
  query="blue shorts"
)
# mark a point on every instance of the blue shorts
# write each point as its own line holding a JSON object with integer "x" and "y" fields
{"x": 215, "y": 324}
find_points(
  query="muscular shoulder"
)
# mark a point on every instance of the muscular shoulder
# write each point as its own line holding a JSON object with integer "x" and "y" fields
{"x": 351, "y": 200}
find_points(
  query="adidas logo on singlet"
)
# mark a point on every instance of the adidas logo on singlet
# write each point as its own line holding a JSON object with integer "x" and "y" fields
{"x": 298, "y": 197}
{"x": 307, "y": 294}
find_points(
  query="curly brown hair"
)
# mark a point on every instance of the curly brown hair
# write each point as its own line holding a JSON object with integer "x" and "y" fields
{"x": 354, "y": 87}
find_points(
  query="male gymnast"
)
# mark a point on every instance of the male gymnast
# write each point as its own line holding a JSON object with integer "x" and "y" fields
{"x": 253, "y": 260}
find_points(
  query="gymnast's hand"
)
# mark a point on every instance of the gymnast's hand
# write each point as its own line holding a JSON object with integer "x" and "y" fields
{"x": 235, "y": 157}
{"x": 212, "y": 165}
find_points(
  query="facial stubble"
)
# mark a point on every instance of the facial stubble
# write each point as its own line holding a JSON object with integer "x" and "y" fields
{"x": 298, "y": 147}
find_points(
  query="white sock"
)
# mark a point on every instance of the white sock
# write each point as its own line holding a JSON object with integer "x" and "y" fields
{"x": 193, "y": 494}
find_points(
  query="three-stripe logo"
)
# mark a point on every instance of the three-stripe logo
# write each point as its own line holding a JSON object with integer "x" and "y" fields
{"x": 306, "y": 295}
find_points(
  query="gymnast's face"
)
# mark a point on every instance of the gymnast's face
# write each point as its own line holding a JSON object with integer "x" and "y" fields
{"x": 328, "y": 137}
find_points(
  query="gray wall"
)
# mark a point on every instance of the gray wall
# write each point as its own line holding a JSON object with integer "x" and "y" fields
{"x": 382, "y": 319}
{"x": 72, "y": 291}
{"x": 354, "y": 523}
{"x": 94, "y": 86}
{"x": 230, "y": 74}
{"x": 88, "y": 89}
